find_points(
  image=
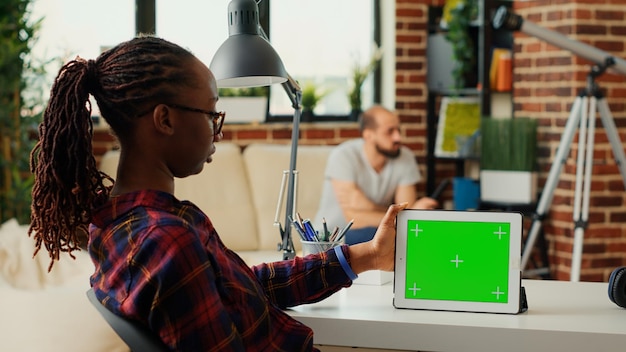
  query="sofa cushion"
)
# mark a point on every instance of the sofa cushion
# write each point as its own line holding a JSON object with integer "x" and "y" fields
{"x": 221, "y": 190}
{"x": 54, "y": 319}
{"x": 239, "y": 191}
{"x": 108, "y": 162}
{"x": 47, "y": 311}
{"x": 264, "y": 165}
{"x": 20, "y": 270}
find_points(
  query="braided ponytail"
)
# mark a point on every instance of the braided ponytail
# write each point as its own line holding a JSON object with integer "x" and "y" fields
{"x": 68, "y": 186}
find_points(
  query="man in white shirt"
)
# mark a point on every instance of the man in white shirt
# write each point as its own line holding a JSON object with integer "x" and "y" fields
{"x": 364, "y": 176}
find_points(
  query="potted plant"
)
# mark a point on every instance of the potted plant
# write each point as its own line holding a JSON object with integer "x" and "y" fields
{"x": 18, "y": 119}
{"x": 508, "y": 160}
{"x": 458, "y": 15}
{"x": 359, "y": 74}
{"x": 244, "y": 105}
{"x": 311, "y": 96}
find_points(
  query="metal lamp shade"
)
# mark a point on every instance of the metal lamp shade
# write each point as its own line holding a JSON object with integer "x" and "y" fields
{"x": 247, "y": 60}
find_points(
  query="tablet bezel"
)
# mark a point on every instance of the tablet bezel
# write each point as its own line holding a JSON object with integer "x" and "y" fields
{"x": 515, "y": 219}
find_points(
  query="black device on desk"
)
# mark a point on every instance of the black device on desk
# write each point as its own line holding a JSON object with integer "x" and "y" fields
{"x": 439, "y": 190}
{"x": 617, "y": 286}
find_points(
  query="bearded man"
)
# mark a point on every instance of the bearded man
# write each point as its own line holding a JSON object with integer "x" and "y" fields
{"x": 365, "y": 175}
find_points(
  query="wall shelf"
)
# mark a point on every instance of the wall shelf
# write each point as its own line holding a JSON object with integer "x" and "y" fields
{"x": 440, "y": 65}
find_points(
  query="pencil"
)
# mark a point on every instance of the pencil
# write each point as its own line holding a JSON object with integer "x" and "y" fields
{"x": 326, "y": 234}
{"x": 334, "y": 234}
{"x": 345, "y": 229}
{"x": 299, "y": 220}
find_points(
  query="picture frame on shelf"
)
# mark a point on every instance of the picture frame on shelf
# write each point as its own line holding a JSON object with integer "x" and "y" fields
{"x": 458, "y": 128}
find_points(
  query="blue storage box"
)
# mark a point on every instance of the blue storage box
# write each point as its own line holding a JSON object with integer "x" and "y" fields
{"x": 466, "y": 193}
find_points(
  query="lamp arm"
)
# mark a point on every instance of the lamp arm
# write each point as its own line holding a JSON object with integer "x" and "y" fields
{"x": 294, "y": 92}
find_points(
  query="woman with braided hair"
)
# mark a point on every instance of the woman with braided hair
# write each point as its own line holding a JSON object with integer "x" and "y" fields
{"x": 159, "y": 260}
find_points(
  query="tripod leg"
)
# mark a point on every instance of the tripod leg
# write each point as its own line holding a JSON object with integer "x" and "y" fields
{"x": 611, "y": 132}
{"x": 583, "y": 184}
{"x": 555, "y": 170}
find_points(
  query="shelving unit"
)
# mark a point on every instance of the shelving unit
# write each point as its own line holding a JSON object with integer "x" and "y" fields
{"x": 440, "y": 65}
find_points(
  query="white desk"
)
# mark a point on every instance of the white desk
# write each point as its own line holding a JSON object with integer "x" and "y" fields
{"x": 562, "y": 316}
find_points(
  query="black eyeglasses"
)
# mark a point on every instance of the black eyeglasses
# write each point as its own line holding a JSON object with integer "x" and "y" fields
{"x": 216, "y": 116}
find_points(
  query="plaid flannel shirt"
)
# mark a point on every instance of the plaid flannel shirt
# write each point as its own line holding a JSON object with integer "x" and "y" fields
{"x": 160, "y": 261}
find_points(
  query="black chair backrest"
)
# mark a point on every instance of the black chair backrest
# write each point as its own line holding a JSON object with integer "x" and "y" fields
{"x": 135, "y": 335}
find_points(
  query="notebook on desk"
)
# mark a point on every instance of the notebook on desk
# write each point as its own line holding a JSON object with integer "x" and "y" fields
{"x": 459, "y": 261}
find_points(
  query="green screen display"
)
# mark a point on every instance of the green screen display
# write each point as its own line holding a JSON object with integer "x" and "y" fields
{"x": 460, "y": 261}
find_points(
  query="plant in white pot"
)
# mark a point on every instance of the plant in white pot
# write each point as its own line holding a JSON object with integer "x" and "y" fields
{"x": 508, "y": 160}
{"x": 243, "y": 105}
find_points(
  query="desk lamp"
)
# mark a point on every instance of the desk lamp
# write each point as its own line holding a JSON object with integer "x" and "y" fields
{"x": 247, "y": 59}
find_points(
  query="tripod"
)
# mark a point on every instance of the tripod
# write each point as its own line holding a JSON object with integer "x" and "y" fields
{"x": 582, "y": 116}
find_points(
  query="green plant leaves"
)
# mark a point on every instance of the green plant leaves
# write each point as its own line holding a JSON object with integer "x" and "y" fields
{"x": 508, "y": 144}
{"x": 311, "y": 96}
{"x": 458, "y": 35}
{"x": 17, "y": 120}
{"x": 244, "y": 92}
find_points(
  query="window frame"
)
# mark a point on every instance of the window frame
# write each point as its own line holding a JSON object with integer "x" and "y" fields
{"x": 264, "y": 20}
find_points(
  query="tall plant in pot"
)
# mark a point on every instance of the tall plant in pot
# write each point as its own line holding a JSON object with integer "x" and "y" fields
{"x": 508, "y": 160}
{"x": 458, "y": 16}
{"x": 358, "y": 77}
{"x": 19, "y": 112}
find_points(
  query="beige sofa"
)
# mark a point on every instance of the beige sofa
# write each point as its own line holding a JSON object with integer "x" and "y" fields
{"x": 239, "y": 192}
{"x": 42, "y": 311}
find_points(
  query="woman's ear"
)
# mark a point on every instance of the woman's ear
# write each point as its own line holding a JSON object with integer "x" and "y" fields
{"x": 162, "y": 119}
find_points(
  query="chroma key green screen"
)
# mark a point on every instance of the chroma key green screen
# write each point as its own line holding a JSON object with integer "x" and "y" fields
{"x": 460, "y": 261}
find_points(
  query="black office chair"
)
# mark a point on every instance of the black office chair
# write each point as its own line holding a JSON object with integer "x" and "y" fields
{"x": 135, "y": 335}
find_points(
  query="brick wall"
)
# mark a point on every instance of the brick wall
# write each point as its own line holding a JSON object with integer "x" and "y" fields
{"x": 547, "y": 79}
{"x": 411, "y": 86}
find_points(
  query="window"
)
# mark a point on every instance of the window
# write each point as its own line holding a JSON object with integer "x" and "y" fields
{"x": 318, "y": 40}
{"x": 198, "y": 25}
{"x": 73, "y": 28}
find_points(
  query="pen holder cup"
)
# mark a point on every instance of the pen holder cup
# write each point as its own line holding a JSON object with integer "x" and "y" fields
{"x": 311, "y": 247}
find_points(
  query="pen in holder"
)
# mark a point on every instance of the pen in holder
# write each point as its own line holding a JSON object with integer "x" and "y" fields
{"x": 311, "y": 247}
{"x": 314, "y": 241}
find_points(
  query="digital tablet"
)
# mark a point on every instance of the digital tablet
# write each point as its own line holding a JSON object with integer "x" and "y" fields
{"x": 459, "y": 261}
